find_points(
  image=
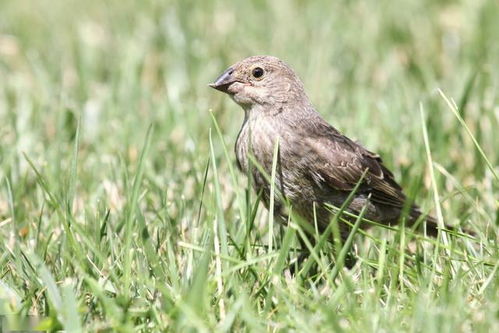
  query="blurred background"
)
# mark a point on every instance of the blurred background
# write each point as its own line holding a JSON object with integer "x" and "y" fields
{"x": 113, "y": 68}
{"x": 120, "y": 66}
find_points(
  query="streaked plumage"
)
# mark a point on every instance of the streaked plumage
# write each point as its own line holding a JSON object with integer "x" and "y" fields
{"x": 316, "y": 163}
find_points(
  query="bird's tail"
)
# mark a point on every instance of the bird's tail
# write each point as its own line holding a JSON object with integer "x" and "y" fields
{"x": 431, "y": 224}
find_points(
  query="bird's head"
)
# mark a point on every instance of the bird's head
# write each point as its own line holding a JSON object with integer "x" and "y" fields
{"x": 260, "y": 81}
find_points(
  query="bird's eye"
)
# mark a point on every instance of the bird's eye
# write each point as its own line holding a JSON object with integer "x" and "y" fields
{"x": 257, "y": 72}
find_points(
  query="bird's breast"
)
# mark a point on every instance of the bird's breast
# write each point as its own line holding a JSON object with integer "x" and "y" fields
{"x": 258, "y": 139}
{"x": 257, "y": 143}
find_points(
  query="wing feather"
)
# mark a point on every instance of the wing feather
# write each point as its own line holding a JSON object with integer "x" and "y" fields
{"x": 341, "y": 163}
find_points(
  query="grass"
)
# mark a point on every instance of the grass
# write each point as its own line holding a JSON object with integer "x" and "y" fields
{"x": 121, "y": 209}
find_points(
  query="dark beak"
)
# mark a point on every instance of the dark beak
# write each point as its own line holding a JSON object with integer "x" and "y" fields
{"x": 223, "y": 82}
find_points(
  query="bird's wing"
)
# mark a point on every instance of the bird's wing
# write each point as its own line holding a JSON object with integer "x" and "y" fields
{"x": 341, "y": 162}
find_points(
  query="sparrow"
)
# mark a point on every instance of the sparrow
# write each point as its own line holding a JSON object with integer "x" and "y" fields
{"x": 316, "y": 166}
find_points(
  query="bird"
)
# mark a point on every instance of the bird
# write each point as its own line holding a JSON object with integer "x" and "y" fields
{"x": 316, "y": 166}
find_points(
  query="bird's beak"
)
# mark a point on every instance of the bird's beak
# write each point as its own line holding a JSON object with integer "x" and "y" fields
{"x": 223, "y": 82}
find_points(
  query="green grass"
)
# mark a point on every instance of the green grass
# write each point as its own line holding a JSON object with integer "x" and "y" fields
{"x": 120, "y": 206}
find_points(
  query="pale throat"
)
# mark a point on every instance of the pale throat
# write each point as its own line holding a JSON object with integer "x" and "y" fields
{"x": 256, "y": 110}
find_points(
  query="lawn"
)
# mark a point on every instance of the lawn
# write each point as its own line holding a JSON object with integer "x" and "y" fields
{"x": 120, "y": 205}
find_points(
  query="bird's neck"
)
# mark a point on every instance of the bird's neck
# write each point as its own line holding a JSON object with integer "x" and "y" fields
{"x": 284, "y": 111}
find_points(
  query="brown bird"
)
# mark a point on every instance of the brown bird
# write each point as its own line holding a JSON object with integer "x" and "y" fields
{"x": 316, "y": 164}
